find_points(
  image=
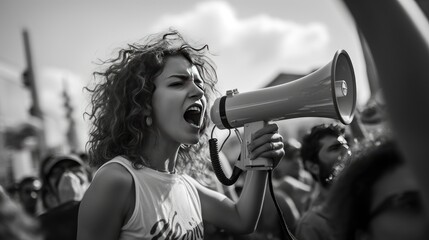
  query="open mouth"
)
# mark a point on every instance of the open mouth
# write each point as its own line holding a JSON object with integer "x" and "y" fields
{"x": 193, "y": 115}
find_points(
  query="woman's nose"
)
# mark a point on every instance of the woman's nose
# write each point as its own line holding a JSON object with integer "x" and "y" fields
{"x": 196, "y": 91}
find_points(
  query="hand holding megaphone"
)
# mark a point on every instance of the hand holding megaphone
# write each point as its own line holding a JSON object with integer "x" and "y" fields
{"x": 266, "y": 145}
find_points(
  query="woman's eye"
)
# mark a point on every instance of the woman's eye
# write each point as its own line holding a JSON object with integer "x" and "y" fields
{"x": 176, "y": 84}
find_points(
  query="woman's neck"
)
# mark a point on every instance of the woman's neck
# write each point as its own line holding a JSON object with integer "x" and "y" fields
{"x": 161, "y": 156}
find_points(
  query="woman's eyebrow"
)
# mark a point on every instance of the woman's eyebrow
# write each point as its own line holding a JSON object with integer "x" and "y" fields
{"x": 179, "y": 75}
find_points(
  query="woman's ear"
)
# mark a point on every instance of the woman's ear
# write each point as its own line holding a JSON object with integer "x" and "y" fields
{"x": 147, "y": 115}
{"x": 147, "y": 108}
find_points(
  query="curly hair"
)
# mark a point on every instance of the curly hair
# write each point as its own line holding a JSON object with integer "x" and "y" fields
{"x": 310, "y": 142}
{"x": 125, "y": 92}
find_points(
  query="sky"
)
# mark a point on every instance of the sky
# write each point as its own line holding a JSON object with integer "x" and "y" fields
{"x": 251, "y": 41}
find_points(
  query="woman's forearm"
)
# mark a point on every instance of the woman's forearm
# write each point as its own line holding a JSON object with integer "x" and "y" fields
{"x": 249, "y": 205}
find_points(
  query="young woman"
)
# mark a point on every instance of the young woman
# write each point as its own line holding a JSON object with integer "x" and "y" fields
{"x": 150, "y": 115}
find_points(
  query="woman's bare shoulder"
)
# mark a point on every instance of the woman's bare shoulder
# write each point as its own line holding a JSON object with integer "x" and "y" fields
{"x": 114, "y": 177}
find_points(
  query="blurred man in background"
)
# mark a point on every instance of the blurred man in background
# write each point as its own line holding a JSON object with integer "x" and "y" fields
{"x": 324, "y": 152}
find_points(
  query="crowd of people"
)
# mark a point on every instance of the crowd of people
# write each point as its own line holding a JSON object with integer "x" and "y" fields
{"x": 46, "y": 206}
{"x": 147, "y": 174}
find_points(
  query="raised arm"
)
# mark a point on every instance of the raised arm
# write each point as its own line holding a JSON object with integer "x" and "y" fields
{"x": 106, "y": 204}
{"x": 242, "y": 216}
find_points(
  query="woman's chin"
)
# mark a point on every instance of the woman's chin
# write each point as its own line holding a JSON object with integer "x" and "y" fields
{"x": 190, "y": 140}
{"x": 193, "y": 141}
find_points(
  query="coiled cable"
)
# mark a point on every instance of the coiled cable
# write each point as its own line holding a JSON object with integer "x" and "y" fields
{"x": 217, "y": 167}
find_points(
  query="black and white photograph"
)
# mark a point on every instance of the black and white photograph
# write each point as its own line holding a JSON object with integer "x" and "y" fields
{"x": 214, "y": 119}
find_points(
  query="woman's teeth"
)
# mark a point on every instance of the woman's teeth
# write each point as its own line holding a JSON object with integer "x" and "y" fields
{"x": 193, "y": 116}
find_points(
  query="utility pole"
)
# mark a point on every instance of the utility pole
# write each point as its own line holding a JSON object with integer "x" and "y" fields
{"x": 30, "y": 82}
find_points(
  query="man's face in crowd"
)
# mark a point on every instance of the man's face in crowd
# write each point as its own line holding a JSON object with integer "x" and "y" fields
{"x": 67, "y": 166}
{"x": 333, "y": 151}
{"x": 68, "y": 180}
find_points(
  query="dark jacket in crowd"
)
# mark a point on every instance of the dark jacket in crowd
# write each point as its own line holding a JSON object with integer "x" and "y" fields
{"x": 61, "y": 222}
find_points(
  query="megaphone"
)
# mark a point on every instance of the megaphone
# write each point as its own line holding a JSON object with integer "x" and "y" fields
{"x": 329, "y": 92}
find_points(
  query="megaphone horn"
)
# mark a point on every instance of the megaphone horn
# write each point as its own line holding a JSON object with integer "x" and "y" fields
{"x": 328, "y": 92}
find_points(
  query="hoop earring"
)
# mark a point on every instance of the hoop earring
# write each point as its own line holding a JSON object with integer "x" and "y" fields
{"x": 148, "y": 121}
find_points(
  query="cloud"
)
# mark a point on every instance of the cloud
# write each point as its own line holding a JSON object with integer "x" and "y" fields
{"x": 256, "y": 43}
{"x": 217, "y": 23}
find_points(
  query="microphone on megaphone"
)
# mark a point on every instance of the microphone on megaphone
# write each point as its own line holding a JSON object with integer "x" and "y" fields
{"x": 328, "y": 92}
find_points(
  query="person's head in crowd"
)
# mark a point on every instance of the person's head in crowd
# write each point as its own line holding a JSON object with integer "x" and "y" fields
{"x": 374, "y": 117}
{"x": 378, "y": 197}
{"x": 292, "y": 164}
{"x": 65, "y": 178}
{"x": 29, "y": 192}
{"x": 324, "y": 152}
{"x": 15, "y": 224}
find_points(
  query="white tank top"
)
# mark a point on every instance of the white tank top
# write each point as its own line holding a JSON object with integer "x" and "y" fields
{"x": 167, "y": 206}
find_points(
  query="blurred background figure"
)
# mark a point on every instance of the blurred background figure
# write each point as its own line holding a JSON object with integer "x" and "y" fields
{"x": 324, "y": 152}
{"x": 65, "y": 180}
{"x": 28, "y": 193}
{"x": 378, "y": 197}
{"x": 293, "y": 179}
{"x": 292, "y": 165}
{"x": 15, "y": 224}
{"x": 373, "y": 118}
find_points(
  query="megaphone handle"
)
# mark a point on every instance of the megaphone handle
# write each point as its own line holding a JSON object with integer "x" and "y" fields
{"x": 245, "y": 162}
